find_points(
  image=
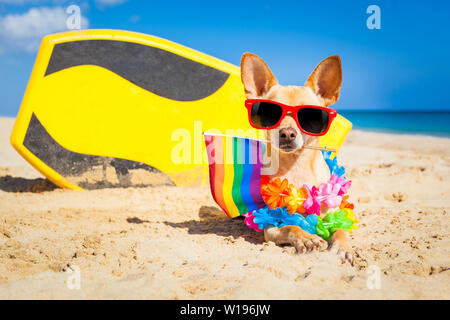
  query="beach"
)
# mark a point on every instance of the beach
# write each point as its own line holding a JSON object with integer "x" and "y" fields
{"x": 174, "y": 243}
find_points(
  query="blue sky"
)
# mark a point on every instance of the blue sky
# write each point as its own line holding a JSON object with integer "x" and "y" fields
{"x": 402, "y": 66}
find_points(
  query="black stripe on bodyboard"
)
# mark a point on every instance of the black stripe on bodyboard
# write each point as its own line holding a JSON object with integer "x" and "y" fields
{"x": 89, "y": 171}
{"x": 159, "y": 71}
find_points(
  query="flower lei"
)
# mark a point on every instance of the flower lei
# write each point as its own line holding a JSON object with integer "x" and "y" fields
{"x": 279, "y": 194}
{"x": 286, "y": 204}
{"x": 314, "y": 224}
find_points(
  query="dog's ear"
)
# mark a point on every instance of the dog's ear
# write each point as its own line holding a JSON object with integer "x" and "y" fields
{"x": 256, "y": 76}
{"x": 326, "y": 80}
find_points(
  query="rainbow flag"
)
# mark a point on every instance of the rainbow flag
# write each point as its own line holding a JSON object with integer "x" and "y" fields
{"x": 235, "y": 165}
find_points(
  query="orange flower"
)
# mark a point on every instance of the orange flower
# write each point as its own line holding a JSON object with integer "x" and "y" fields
{"x": 345, "y": 204}
{"x": 294, "y": 201}
{"x": 274, "y": 191}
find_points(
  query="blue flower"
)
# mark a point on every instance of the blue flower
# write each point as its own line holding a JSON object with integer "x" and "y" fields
{"x": 332, "y": 164}
{"x": 280, "y": 217}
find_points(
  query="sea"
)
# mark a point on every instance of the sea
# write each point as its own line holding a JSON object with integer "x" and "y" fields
{"x": 430, "y": 123}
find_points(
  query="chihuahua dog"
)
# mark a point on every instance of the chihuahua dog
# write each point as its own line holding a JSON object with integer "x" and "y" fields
{"x": 299, "y": 165}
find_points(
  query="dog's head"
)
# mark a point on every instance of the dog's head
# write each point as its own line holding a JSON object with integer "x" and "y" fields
{"x": 322, "y": 88}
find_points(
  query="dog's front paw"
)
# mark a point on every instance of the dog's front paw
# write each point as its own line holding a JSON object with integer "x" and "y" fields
{"x": 341, "y": 247}
{"x": 308, "y": 242}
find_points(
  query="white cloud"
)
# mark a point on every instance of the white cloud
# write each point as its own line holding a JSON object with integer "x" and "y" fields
{"x": 24, "y": 32}
{"x": 15, "y": 1}
{"x": 32, "y": 2}
{"x": 18, "y": 2}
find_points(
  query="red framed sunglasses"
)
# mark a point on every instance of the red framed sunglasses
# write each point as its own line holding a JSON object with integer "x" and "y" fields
{"x": 311, "y": 120}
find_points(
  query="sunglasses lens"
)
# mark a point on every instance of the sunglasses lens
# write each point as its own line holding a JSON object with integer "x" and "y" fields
{"x": 313, "y": 120}
{"x": 265, "y": 114}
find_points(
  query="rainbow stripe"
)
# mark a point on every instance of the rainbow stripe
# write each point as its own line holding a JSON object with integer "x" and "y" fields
{"x": 235, "y": 165}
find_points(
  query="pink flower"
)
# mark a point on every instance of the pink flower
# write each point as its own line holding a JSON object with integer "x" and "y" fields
{"x": 344, "y": 184}
{"x": 311, "y": 204}
{"x": 329, "y": 194}
{"x": 249, "y": 221}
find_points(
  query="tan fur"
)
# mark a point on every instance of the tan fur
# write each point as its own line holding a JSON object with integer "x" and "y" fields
{"x": 297, "y": 164}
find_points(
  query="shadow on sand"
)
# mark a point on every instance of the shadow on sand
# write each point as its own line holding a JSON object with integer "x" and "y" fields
{"x": 214, "y": 221}
{"x": 17, "y": 184}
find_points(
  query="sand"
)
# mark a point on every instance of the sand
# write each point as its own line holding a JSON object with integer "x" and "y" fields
{"x": 173, "y": 243}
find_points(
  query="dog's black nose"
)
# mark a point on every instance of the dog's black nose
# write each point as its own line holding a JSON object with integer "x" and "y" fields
{"x": 287, "y": 135}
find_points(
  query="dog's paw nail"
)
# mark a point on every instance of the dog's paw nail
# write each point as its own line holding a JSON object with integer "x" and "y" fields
{"x": 309, "y": 245}
{"x": 349, "y": 257}
{"x": 345, "y": 256}
{"x": 319, "y": 243}
{"x": 341, "y": 255}
{"x": 320, "y": 246}
{"x": 323, "y": 245}
{"x": 300, "y": 247}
